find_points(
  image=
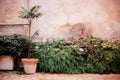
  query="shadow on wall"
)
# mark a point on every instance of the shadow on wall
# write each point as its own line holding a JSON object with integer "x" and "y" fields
{"x": 78, "y": 30}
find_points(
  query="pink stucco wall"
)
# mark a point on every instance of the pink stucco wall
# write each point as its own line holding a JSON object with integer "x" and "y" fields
{"x": 102, "y": 16}
{"x": 9, "y": 10}
{"x": 9, "y": 16}
{"x": 66, "y": 18}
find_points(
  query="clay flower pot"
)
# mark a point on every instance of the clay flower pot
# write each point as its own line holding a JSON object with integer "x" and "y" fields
{"x": 29, "y": 65}
{"x": 6, "y": 62}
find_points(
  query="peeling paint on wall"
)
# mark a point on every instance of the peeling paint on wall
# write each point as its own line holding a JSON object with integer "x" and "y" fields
{"x": 78, "y": 30}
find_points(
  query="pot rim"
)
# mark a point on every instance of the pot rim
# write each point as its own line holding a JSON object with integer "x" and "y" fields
{"x": 30, "y": 60}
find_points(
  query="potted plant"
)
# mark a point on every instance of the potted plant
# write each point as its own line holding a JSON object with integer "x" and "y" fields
{"x": 30, "y": 63}
{"x": 11, "y": 47}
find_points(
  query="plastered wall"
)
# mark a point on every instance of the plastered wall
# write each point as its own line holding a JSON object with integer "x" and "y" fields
{"x": 9, "y": 11}
{"x": 69, "y": 18}
{"x": 9, "y": 15}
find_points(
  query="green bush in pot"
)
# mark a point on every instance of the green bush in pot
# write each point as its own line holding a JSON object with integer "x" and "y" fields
{"x": 12, "y": 48}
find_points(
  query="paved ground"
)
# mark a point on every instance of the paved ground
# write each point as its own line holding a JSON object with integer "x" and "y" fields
{"x": 12, "y": 75}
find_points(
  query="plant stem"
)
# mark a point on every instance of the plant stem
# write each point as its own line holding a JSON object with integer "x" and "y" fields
{"x": 29, "y": 41}
{"x": 29, "y": 48}
{"x": 29, "y": 19}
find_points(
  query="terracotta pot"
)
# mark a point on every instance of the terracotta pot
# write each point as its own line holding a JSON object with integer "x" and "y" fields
{"x": 30, "y": 65}
{"x": 6, "y": 62}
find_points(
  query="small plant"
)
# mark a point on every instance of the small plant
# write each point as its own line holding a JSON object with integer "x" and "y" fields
{"x": 30, "y": 15}
{"x": 30, "y": 62}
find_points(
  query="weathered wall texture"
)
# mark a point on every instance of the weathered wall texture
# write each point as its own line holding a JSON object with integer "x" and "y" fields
{"x": 66, "y": 18}
{"x": 9, "y": 11}
{"x": 9, "y": 14}
{"x": 14, "y": 29}
{"x": 62, "y": 18}
{"x": 112, "y": 8}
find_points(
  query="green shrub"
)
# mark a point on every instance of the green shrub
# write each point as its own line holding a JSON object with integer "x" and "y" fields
{"x": 102, "y": 54}
{"x": 15, "y": 45}
{"x": 83, "y": 56}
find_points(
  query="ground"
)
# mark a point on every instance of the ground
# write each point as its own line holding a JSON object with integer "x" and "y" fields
{"x": 14, "y": 75}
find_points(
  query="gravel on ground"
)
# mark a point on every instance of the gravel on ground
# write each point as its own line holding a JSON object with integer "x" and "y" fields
{"x": 14, "y": 75}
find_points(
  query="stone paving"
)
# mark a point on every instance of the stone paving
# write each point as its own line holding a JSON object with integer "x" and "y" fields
{"x": 13, "y": 75}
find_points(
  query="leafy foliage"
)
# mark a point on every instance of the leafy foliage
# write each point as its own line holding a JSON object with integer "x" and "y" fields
{"x": 32, "y": 13}
{"x": 83, "y": 56}
{"x": 15, "y": 45}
